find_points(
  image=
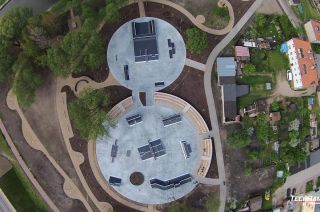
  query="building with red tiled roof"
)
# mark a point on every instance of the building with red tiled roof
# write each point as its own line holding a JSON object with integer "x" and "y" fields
{"x": 312, "y": 28}
{"x": 302, "y": 64}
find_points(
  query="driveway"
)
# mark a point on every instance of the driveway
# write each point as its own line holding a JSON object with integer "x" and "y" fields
{"x": 36, "y": 5}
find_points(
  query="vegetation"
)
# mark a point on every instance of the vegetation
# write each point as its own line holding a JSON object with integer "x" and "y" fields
{"x": 308, "y": 11}
{"x": 180, "y": 207}
{"x": 17, "y": 187}
{"x": 275, "y": 106}
{"x": 89, "y": 114}
{"x": 197, "y": 40}
{"x": 255, "y": 80}
{"x": 309, "y": 186}
{"x": 249, "y": 69}
{"x": 239, "y": 138}
{"x": 213, "y": 203}
{"x": 26, "y": 82}
{"x": 247, "y": 169}
{"x": 112, "y": 10}
{"x": 318, "y": 182}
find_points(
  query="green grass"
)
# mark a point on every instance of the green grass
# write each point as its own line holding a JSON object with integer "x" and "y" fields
{"x": 308, "y": 11}
{"x": 17, "y": 187}
{"x": 309, "y": 186}
{"x": 257, "y": 79}
{"x": 267, "y": 204}
{"x": 2, "y": 2}
{"x": 318, "y": 182}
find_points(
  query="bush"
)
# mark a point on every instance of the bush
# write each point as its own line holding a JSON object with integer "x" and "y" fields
{"x": 222, "y": 12}
{"x": 239, "y": 139}
{"x": 249, "y": 68}
{"x": 197, "y": 40}
{"x": 275, "y": 106}
{"x": 309, "y": 186}
{"x": 318, "y": 182}
{"x": 247, "y": 169}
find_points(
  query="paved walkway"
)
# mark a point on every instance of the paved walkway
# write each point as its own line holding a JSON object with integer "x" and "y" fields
{"x": 70, "y": 189}
{"x": 296, "y": 22}
{"x": 142, "y": 11}
{"x": 195, "y": 64}
{"x": 209, "y": 95}
{"x": 26, "y": 170}
{"x": 197, "y": 22}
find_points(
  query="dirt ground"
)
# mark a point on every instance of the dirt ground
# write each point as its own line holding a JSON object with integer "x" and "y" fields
{"x": 239, "y": 185}
{"x": 196, "y": 199}
{"x": 44, "y": 172}
{"x": 190, "y": 87}
{"x": 213, "y": 169}
{"x": 181, "y": 23}
{"x": 270, "y": 7}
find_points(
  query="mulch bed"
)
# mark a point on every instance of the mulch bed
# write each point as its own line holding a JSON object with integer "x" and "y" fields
{"x": 239, "y": 8}
{"x": 80, "y": 145}
{"x": 99, "y": 75}
{"x": 195, "y": 200}
{"x": 117, "y": 94}
{"x": 190, "y": 87}
{"x": 181, "y": 23}
{"x": 213, "y": 169}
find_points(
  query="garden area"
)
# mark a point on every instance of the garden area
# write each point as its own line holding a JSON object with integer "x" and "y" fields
{"x": 265, "y": 63}
{"x": 306, "y": 11}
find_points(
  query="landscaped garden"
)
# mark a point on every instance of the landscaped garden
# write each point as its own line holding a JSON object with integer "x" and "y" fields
{"x": 306, "y": 11}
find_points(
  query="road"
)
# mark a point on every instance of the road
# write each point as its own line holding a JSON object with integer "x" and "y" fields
{"x": 36, "y": 5}
{"x": 5, "y": 205}
{"x": 209, "y": 95}
{"x": 296, "y": 22}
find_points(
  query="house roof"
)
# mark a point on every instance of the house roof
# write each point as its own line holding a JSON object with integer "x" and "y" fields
{"x": 316, "y": 28}
{"x": 230, "y": 92}
{"x": 242, "y": 51}
{"x": 226, "y": 66}
{"x": 306, "y": 61}
{"x": 227, "y": 80}
{"x": 242, "y": 90}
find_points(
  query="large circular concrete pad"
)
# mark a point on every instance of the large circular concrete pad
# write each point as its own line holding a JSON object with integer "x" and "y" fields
{"x": 144, "y": 75}
{"x": 171, "y": 165}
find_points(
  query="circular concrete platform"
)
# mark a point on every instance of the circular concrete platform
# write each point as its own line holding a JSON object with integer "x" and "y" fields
{"x": 165, "y": 167}
{"x": 143, "y": 75}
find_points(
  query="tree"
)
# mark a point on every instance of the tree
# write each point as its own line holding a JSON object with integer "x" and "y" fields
{"x": 249, "y": 68}
{"x": 275, "y": 106}
{"x": 197, "y": 40}
{"x": 239, "y": 139}
{"x": 112, "y": 10}
{"x": 13, "y": 22}
{"x": 89, "y": 114}
{"x": 213, "y": 203}
{"x": 26, "y": 81}
{"x": 6, "y": 60}
{"x": 95, "y": 54}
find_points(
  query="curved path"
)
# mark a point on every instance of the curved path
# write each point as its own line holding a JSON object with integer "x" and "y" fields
{"x": 194, "y": 20}
{"x": 26, "y": 169}
{"x": 69, "y": 188}
{"x": 209, "y": 95}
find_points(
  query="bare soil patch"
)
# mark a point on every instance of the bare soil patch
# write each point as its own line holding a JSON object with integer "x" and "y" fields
{"x": 213, "y": 169}
{"x": 181, "y": 23}
{"x": 190, "y": 87}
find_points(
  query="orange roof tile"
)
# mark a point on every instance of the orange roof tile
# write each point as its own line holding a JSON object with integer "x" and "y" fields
{"x": 316, "y": 28}
{"x": 307, "y": 63}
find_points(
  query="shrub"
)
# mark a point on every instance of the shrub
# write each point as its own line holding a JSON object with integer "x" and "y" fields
{"x": 249, "y": 68}
{"x": 239, "y": 139}
{"x": 197, "y": 40}
{"x": 309, "y": 186}
{"x": 275, "y": 106}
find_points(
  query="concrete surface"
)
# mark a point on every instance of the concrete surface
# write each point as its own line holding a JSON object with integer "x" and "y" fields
{"x": 168, "y": 166}
{"x": 143, "y": 75}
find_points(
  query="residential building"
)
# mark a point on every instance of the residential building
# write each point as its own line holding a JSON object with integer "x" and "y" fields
{"x": 302, "y": 64}
{"x": 242, "y": 53}
{"x": 226, "y": 68}
{"x": 312, "y": 28}
{"x": 311, "y": 206}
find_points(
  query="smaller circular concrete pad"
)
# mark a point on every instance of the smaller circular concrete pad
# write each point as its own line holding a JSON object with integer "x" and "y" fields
{"x": 171, "y": 165}
{"x": 144, "y": 75}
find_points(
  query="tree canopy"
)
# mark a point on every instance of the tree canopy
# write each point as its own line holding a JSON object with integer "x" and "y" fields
{"x": 13, "y": 22}
{"x": 26, "y": 81}
{"x": 239, "y": 138}
{"x": 6, "y": 60}
{"x": 89, "y": 114}
{"x": 197, "y": 40}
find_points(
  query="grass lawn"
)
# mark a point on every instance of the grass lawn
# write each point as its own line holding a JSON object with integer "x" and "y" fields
{"x": 308, "y": 11}
{"x": 17, "y": 186}
{"x": 267, "y": 204}
{"x": 2, "y": 2}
